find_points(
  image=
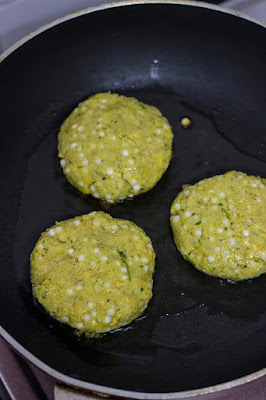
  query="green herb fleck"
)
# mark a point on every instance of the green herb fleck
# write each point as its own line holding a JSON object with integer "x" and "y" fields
{"x": 220, "y": 204}
{"x": 124, "y": 261}
{"x": 141, "y": 289}
{"x": 143, "y": 106}
{"x": 45, "y": 295}
{"x": 99, "y": 174}
{"x": 244, "y": 266}
{"x": 198, "y": 223}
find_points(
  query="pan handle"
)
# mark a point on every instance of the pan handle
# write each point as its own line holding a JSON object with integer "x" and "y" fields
{"x": 63, "y": 392}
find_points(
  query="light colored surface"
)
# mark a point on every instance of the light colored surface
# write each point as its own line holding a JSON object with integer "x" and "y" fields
{"x": 20, "y": 17}
{"x": 253, "y": 8}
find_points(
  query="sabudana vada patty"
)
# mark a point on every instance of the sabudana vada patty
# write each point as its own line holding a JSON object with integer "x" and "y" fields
{"x": 219, "y": 225}
{"x": 114, "y": 147}
{"x": 93, "y": 272}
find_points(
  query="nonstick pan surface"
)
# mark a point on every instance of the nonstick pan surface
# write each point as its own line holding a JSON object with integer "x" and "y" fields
{"x": 187, "y": 60}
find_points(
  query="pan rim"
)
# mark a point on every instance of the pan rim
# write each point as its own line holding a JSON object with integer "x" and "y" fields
{"x": 27, "y": 354}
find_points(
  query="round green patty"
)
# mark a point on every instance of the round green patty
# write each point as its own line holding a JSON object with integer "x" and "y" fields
{"x": 114, "y": 147}
{"x": 93, "y": 272}
{"x": 219, "y": 225}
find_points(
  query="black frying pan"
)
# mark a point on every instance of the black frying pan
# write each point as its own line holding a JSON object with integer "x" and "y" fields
{"x": 188, "y": 60}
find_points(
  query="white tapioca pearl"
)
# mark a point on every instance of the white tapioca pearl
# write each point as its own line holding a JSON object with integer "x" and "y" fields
{"x": 186, "y": 192}
{"x": 64, "y": 319}
{"x": 245, "y": 182}
{"x": 74, "y": 136}
{"x": 210, "y": 259}
{"x": 131, "y": 162}
{"x": 96, "y": 251}
{"x": 230, "y": 232}
{"x": 136, "y": 150}
{"x": 73, "y": 145}
{"x": 226, "y": 253}
{"x": 253, "y": 264}
{"x": 69, "y": 291}
{"x": 98, "y": 161}
{"x": 131, "y": 195}
{"x": 188, "y": 213}
{"x": 79, "y": 287}
{"x": 220, "y": 230}
{"x": 146, "y": 268}
{"x": 102, "y": 106}
{"x": 254, "y": 185}
{"x": 226, "y": 222}
{"x": 94, "y": 131}
{"x": 67, "y": 170}
{"x": 144, "y": 260}
{"x": 103, "y": 100}
{"x": 104, "y": 258}
{"x": 81, "y": 257}
{"x": 149, "y": 245}
{"x": 245, "y": 233}
{"x": 107, "y": 284}
{"x": 74, "y": 126}
{"x": 119, "y": 186}
{"x": 195, "y": 216}
{"x": 86, "y": 317}
{"x": 203, "y": 220}
{"x": 214, "y": 200}
{"x": 136, "y": 187}
{"x": 159, "y": 131}
{"x": 124, "y": 277}
{"x": 123, "y": 269}
{"x": 92, "y": 188}
{"x": 258, "y": 200}
{"x": 113, "y": 137}
{"x": 114, "y": 227}
{"x": 101, "y": 134}
{"x": 98, "y": 119}
{"x": 250, "y": 221}
{"x": 235, "y": 215}
{"x": 70, "y": 251}
{"x": 184, "y": 227}
{"x": 177, "y": 206}
{"x": 58, "y": 229}
{"x": 118, "y": 263}
{"x": 198, "y": 232}
{"x": 211, "y": 191}
{"x": 248, "y": 206}
{"x": 90, "y": 304}
{"x": 41, "y": 246}
{"x": 148, "y": 139}
{"x": 107, "y": 319}
{"x": 85, "y": 163}
{"x": 81, "y": 154}
{"x": 133, "y": 182}
{"x": 205, "y": 199}
{"x": 110, "y": 171}
{"x": 94, "y": 313}
{"x": 240, "y": 176}
{"x": 136, "y": 258}
{"x": 100, "y": 125}
{"x": 101, "y": 146}
{"x": 125, "y": 153}
{"x": 63, "y": 162}
{"x": 165, "y": 126}
{"x": 230, "y": 206}
{"x": 77, "y": 222}
{"x": 263, "y": 256}
{"x": 176, "y": 218}
{"x": 261, "y": 185}
{"x": 222, "y": 194}
{"x": 125, "y": 226}
{"x": 111, "y": 311}
{"x": 217, "y": 249}
{"x": 96, "y": 286}
{"x": 51, "y": 232}
{"x": 232, "y": 242}
{"x": 80, "y": 128}
{"x": 96, "y": 223}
